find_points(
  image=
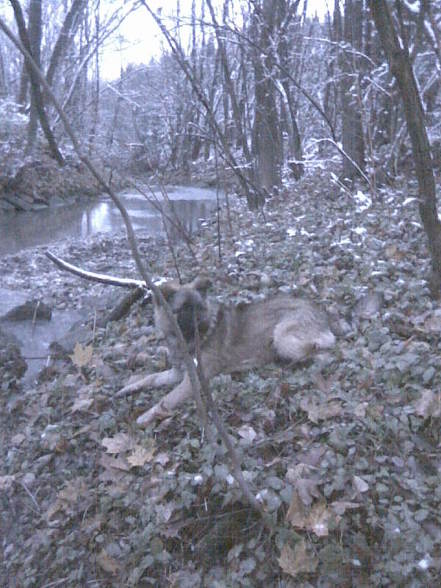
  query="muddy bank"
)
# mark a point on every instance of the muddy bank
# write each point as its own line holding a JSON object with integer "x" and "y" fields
{"x": 41, "y": 183}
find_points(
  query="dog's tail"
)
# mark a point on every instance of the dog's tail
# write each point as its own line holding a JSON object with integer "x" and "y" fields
{"x": 297, "y": 345}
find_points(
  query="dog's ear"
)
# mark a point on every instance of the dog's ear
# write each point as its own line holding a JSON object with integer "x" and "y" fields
{"x": 201, "y": 284}
{"x": 169, "y": 288}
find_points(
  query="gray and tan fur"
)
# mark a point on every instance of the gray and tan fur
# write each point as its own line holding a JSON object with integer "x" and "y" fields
{"x": 233, "y": 338}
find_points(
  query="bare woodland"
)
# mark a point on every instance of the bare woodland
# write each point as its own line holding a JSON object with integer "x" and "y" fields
{"x": 324, "y": 132}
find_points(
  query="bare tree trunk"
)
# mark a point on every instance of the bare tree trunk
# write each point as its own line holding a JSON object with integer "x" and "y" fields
{"x": 96, "y": 100}
{"x": 23, "y": 87}
{"x": 32, "y": 42}
{"x": 34, "y": 36}
{"x": 295, "y": 153}
{"x": 399, "y": 63}
{"x": 64, "y": 38}
{"x": 3, "y": 83}
{"x": 228, "y": 83}
{"x": 266, "y": 132}
{"x": 352, "y": 132}
{"x": 116, "y": 111}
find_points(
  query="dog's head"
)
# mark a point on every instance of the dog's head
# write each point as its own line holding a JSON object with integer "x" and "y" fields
{"x": 188, "y": 303}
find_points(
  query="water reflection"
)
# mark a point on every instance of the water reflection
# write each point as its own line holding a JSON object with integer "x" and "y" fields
{"x": 29, "y": 229}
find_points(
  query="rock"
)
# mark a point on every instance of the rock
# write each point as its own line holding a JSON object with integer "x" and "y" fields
{"x": 12, "y": 364}
{"x": 30, "y": 310}
{"x": 6, "y": 206}
{"x": 17, "y": 202}
{"x": 78, "y": 333}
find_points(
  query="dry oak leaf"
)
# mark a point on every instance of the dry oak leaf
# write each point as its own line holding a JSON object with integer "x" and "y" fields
{"x": 298, "y": 560}
{"x": 119, "y": 443}
{"x": 297, "y": 512}
{"x": 307, "y": 489}
{"x": 319, "y": 518}
{"x": 114, "y": 463}
{"x": 140, "y": 456}
{"x": 81, "y": 355}
{"x": 320, "y": 412}
{"x": 107, "y": 563}
{"x": 315, "y": 518}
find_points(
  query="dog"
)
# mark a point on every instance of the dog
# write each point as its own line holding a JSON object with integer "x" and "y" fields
{"x": 233, "y": 338}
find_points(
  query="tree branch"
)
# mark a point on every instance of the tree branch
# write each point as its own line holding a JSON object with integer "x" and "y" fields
{"x": 93, "y": 277}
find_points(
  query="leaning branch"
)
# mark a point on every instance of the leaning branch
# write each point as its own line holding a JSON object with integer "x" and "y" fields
{"x": 93, "y": 277}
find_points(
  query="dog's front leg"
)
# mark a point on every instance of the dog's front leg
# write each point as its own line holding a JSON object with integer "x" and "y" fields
{"x": 164, "y": 407}
{"x": 167, "y": 378}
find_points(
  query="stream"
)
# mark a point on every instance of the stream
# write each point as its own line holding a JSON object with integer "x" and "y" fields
{"x": 185, "y": 206}
{"x": 22, "y": 230}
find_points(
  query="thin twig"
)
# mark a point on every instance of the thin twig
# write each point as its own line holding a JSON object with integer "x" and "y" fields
{"x": 31, "y": 496}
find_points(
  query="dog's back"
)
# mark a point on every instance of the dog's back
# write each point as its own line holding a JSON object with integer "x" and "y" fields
{"x": 279, "y": 327}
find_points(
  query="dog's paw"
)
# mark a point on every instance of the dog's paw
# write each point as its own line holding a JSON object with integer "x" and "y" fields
{"x": 156, "y": 413}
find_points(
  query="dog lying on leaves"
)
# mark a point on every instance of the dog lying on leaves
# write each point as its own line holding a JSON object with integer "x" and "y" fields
{"x": 232, "y": 338}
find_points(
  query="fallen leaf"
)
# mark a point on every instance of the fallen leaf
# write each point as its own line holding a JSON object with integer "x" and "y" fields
{"x": 81, "y": 404}
{"x": 6, "y": 482}
{"x": 81, "y": 355}
{"x": 319, "y": 412}
{"x": 298, "y": 560}
{"x": 319, "y": 518}
{"x": 360, "y": 410}
{"x": 140, "y": 456}
{"x": 247, "y": 433}
{"x": 433, "y": 323}
{"x": 114, "y": 463}
{"x": 107, "y": 563}
{"x": 68, "y": 498}
{"x": 307, "y": 489}
{"x": 164, "y": 511}
{"x": 314, "y": 518}
{"x": 73, "y": 490}
{"x": 429, "y": 404}
{"x": 341, "y": 506}
{"x": 162, "y": 458}
{"x": 18, "y": 439}
{"x": 359, "y": 484}
{"x": 297, "y": 513}
{"x": 120, "y": 443}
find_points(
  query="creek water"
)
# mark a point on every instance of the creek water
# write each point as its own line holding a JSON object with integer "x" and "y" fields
{"x": 184, "y": 205}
